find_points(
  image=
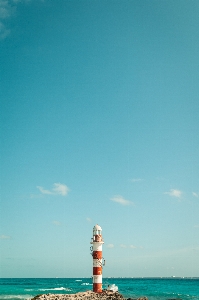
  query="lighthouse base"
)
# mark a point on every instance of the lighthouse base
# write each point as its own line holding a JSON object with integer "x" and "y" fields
{"x": 97, "y": 287}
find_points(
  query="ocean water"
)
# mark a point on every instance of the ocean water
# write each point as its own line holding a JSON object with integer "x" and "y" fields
{"x": 153, "y": 288}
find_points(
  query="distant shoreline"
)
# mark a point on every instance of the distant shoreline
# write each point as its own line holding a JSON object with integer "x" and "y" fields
{"x": 152, "y": 277}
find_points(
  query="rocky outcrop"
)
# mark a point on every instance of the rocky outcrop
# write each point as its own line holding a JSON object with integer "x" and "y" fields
{"x": 88, "y": 295}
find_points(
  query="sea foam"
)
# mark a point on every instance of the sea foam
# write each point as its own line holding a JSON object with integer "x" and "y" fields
{"x": 56, "y": 289}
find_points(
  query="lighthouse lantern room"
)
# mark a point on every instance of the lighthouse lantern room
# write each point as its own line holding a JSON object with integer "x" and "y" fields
{"x": 98, "y": 260}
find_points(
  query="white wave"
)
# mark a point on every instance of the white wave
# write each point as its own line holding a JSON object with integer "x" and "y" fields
{"x": 78, "y": 280}
{"x": 86, "y": 283}
{"x": 62, "y": 288}
{"x": 16, "y": 297}
{"x": 56, "y": 289}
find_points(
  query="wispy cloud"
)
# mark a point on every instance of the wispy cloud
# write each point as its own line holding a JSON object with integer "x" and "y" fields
{"x": 5, "y": 13}
{"x": 8, "y": 9}
{"x": 4, "y": 32}
{"x": 136, "y": 179}
{"x": 43, "y": 191}
{"x": 88, "y": 219}
{"x": 4, "y": 237}
{"x": 195, "y": 194}
{"x": 174, "y": 193}
{"x": 58, "y": 189}
{"x": 56, "y": 223}
{"x": 119, "y": 199}
{"x": 133, "y": 247}
{"x": 110, "y": 246}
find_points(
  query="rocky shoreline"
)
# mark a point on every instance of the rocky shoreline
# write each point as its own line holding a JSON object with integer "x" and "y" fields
{"x": 88, "y": 295}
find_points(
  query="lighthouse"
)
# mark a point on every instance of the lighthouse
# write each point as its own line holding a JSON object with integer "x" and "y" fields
{"x": 98, "y": 260}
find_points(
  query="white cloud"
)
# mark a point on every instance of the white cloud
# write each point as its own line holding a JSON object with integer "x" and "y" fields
{"x": 123, "y": 246}
{"x": 136, "y": 180}
{"x": 58, "y": 189}
{"x": 110, "y": 246}
{"x": 195, "y": 194}
{"x": 174, "y": 193}
{"x": 56, "y": 223}
{"x": 43, "y": 191}
{"x": 119, "y": 199}
{"x": 4, "y": 237}
{"x": 133, "y": 247}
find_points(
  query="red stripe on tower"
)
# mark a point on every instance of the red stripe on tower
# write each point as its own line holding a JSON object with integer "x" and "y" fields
{"x": 97, "y": 242}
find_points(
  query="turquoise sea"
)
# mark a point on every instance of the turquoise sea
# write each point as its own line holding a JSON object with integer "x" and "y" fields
{"x": 153, "y": 288}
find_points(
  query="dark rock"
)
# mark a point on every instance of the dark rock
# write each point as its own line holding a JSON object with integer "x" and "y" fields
{"x": 36, "y": 297}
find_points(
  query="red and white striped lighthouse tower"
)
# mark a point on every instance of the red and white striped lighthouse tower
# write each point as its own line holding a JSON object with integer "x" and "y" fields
{"x": 98, "y": 261}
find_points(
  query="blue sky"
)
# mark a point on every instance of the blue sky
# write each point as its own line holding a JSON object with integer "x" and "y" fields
{"x": 99, "y": 124}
